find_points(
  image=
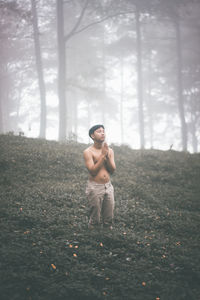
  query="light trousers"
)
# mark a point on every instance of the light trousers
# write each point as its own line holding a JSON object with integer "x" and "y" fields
{"x": 101, "y": 203}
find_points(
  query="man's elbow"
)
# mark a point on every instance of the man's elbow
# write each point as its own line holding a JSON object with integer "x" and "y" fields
{"x": 93, "y": 173}
{"x": 113, "y": 169}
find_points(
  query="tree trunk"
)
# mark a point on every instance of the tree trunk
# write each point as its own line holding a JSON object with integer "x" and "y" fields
{"x": 122, "y": 99}
{"x": 104, "y": 84}
{"x": 194, "y": 139}
{"x": 193, "y": 132}
{"x": 1, "y": 111}
{"x": 88, "y": 117}
{"x": 39, "y": 71}
{"x": 139, "y": 78}
{"x": 5, "y": 121}
{"x": 61, "y": 70}
{"x": 149, "y": 102}
{"x": 18, "y": 107}
{"x": 75, "y": 119}
{"x": 1, "y": 118}
{"x": 180, "y": 86}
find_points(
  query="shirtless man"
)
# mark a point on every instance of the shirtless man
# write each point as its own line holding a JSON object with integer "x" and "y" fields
{"x": 99, "y": 160}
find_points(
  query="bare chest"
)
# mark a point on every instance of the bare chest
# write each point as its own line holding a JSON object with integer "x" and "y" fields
{"x": 96, "y": 156}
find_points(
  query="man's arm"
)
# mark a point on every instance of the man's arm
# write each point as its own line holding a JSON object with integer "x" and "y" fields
{"x": 110, "y": 161}
{"x": 92, "y": 167}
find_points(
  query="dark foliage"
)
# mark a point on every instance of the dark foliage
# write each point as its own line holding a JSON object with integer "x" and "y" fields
{"x": 47, "y": 252}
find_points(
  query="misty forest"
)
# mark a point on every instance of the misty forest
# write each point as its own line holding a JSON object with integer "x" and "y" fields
{"x": 132, "y": 65}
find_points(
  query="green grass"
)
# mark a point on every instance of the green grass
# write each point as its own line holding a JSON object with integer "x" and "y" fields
{"x": 152, "y": 252}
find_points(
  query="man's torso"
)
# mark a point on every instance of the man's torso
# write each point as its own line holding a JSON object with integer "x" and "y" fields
{"x": 103, "y": 175}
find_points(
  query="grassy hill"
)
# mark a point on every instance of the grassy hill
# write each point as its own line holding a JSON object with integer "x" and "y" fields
{"x": 47, "y": 252}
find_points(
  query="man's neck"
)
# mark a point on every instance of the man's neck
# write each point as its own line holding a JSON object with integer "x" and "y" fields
{"x": 97, "y": 145}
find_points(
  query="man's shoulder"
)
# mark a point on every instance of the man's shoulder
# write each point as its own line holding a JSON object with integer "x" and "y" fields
{"x": 87, "y": 150}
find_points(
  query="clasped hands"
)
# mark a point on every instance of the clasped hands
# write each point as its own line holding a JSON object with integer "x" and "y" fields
{"x": 105, "y": 150}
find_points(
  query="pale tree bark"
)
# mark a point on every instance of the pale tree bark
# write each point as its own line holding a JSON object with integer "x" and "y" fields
{"x": 5, "y": 105}
{"x": 1, "y": 115}
{"x": 88, "y": 117}
{"x": 75, "y": 117}
{"x": 194, "y": 118}
{"x": 149, "y": 101}
{"x": 194, "y": 137}
{"x": 72, "y": 63}
{"x": 139, "y": 77}
{"x": 1, "y": 108}
{"x": 61, "y": 70}
{"x": 62, "y": 41}
{"x": 180, "y": 86}
{"x": 103, "y": 106}
{"x": 122, "y": 99}
{"x": 6, "y": 112}
{"x": 18, "y": 106}
{"x": 39, "y": 71}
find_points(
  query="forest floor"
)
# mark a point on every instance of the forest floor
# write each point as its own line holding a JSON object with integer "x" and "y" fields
{"x": 47, "y": 251}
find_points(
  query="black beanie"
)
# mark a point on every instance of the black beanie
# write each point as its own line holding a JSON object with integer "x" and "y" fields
{"x": 93, "y": 128}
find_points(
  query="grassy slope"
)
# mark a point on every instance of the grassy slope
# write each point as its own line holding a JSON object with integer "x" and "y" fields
{"x": 153, "y": 251}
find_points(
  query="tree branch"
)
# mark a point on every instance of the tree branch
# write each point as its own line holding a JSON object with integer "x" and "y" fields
{"x": 74, "y": 32}
{"x": 71, "y": 33}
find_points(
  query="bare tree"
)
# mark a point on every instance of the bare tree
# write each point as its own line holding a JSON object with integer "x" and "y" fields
{"x": 122, "y": 98}
{"x": 61, "y": 70}
{"x": 139, "y": 77}
{"x": 39, "y": 71}
{"x": 180, "y": 85}
{"x": 1, "y": 116}
{"x": 63, "y": 39}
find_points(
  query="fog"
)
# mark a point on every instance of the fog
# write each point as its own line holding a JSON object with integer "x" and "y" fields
{"x": 133, "y": 66}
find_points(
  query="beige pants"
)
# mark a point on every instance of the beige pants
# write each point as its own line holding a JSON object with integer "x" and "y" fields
{"x": 101, "y": 202}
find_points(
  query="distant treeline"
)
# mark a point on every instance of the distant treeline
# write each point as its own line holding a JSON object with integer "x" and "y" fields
{"x": 135, "y": 62}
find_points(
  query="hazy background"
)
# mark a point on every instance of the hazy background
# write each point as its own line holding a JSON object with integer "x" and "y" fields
{"x": 133, "y": 65}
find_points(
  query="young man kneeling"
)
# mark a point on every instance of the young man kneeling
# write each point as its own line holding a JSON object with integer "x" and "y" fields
{"x": 99, "y": 160}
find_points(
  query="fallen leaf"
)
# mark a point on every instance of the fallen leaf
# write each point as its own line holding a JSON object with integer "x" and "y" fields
{"x": 53, "y": 266}
{"x": 27, "y": 232}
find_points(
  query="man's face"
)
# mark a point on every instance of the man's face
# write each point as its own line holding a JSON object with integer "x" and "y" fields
{"x": 99, "y": 135}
